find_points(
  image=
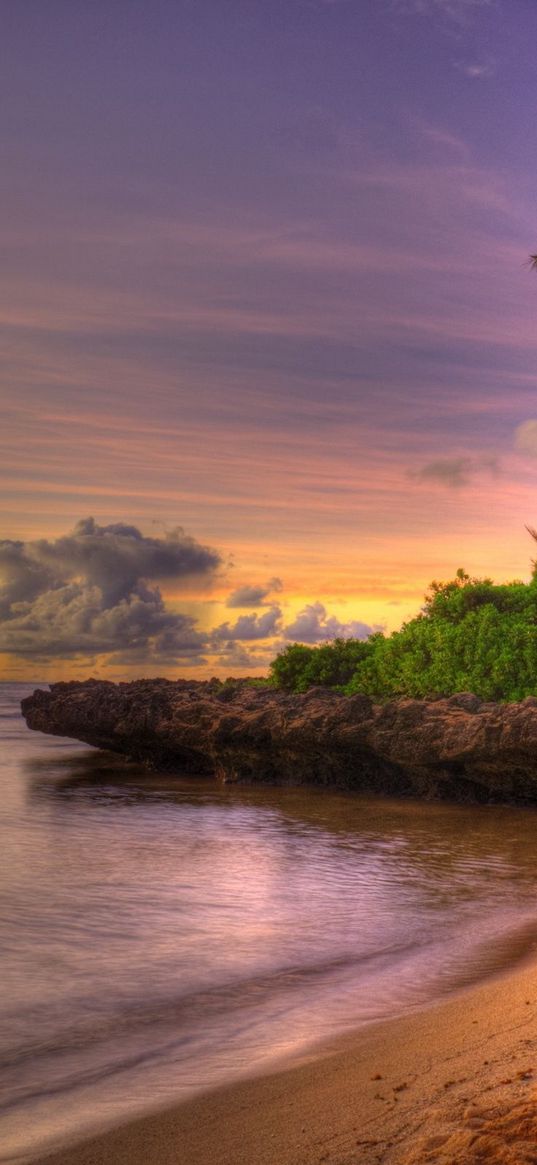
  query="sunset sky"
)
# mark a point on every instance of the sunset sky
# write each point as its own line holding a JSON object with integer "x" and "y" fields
{"x": 264, "y": 280}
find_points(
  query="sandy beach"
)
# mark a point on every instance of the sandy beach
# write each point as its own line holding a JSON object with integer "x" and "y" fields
{"x": 453, "y": 1084}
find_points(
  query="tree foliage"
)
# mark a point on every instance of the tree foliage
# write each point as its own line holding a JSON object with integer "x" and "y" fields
{"x": 332, "y": 665}
{"x": 472, "y": 635}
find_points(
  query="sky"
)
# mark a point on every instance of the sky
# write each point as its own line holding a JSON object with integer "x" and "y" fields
{"x": 269, "y": 339}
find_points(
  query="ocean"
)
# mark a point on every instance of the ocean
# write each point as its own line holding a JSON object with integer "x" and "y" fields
{"x": 162, "y": 935}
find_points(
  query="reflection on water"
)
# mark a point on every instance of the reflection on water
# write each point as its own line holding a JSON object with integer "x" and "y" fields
{"x": 162, "y": 935}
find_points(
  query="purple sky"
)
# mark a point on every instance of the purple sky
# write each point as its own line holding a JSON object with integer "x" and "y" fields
{"x": 263, "y": 276}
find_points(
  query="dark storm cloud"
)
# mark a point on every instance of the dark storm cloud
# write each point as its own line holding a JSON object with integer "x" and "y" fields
{"x": 178, "y": 643}
{"x": 22, "y": 577}
{"x": 314, "y": 625}
{"x": 115, "y": 557}
{"x": 254, "y": 596}
{"x": 89, "y": 593}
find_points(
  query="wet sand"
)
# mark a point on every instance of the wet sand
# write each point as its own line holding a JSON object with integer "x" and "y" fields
{"x": 455, "y": 1084}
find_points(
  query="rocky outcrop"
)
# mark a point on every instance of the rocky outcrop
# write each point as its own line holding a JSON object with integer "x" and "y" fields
{"x": 458, "y": 748}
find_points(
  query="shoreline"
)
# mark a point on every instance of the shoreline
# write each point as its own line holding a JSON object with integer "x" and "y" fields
{"x": 455, "y": 1081}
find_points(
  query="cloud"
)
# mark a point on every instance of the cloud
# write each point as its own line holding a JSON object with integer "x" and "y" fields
{"x": 526, "y": 438}
{"x": 249, "y": 627}
{"x": 115, "y": 557}
{"x": 313, "y": 625}
{"x": 253, "y": 596}
{"x": 23, "y": 577}
{"x": 455, "y": 472}
{"x": 89, "y": 593}
{"x": 476, "y": 70}
{"x": 457, "y": 10}
{"x": 236, "y": 656}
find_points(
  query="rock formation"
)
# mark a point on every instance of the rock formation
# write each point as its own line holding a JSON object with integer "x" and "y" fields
{"x": 458, "y": 748}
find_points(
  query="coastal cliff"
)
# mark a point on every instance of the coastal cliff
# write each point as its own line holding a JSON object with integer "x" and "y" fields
{"x": 458, "y": 748}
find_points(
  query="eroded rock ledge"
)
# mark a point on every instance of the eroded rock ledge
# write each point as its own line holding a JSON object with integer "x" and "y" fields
{"x": 458, "y": 748}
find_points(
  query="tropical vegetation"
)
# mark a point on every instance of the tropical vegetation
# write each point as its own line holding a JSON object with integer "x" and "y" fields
{"x": 472, "y": 635}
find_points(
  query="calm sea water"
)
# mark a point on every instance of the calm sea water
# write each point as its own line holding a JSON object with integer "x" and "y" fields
{"x": 160, "y": 936}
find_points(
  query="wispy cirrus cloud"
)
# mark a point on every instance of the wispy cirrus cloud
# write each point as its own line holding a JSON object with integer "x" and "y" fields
{"x": 279, "y": 302}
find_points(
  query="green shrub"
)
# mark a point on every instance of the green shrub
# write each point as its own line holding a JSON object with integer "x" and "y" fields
{"x": 471, "y": 636}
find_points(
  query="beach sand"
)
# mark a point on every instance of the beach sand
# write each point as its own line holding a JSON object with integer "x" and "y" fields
{"x": 455, "y": 1084}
